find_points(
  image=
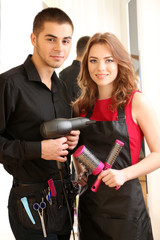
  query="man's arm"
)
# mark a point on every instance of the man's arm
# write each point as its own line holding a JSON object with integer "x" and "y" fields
{"x": 11, "y": 148}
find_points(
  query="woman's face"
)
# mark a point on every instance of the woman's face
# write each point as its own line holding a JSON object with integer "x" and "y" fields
{"x": 103, "y": 69}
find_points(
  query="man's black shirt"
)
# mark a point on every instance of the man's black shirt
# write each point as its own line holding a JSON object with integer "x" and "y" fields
{"x": 25, "y": 103}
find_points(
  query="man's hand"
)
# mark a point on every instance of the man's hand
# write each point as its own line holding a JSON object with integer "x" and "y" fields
{"x": 72, "y": 139}
{"x": 54, "y": 149}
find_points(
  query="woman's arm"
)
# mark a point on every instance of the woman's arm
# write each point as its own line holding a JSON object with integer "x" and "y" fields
{"x": 144, "y": 115}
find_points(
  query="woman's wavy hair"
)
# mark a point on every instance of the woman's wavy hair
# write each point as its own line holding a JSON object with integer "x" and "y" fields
{"x": 123, "y": 85}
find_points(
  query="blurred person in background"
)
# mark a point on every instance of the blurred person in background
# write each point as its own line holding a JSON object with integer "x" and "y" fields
{"x": 69, "y": 74}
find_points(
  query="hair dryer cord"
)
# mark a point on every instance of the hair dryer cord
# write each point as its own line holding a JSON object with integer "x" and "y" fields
{"x": 60, "y": 168}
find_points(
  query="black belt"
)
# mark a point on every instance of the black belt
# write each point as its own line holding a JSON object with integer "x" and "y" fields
{"x": 21, "y": 184}
{"x": 23, "y": 188}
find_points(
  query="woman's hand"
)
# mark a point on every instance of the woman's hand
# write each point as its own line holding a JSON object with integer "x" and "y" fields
{"x": 112, "y": 177}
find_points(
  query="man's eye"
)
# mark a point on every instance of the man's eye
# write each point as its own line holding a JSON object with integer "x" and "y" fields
{"x": 66, "y": 41}
{"x": 50, "y": 40}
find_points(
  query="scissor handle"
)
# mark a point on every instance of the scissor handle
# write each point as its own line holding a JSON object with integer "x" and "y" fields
{"x": 43, "y": 205}
{"x": 37, "y": 206}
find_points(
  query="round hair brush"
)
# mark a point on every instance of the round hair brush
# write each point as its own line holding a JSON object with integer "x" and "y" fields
{"x": 84, "y": 156}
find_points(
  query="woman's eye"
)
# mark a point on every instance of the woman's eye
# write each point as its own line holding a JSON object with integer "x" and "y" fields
{"x": 92, "y": 60}
{"x": 109, "y": 60}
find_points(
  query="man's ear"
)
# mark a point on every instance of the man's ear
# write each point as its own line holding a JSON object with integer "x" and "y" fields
{"x": 33, "y": 39}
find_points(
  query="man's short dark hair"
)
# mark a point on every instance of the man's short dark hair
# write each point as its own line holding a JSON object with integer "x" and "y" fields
{"x": 50, "y": 15}
{"x": 81, "y": 45}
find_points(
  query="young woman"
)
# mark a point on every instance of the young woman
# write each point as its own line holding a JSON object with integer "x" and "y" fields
{"x": 110, "y": 96}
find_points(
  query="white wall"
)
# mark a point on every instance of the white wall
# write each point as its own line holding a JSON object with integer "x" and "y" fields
{"x": 16, "y": 26}
{"x": 149, "y": 44}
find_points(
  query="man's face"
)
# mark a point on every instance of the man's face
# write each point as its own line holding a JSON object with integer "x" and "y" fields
{"x": 52, "y": 46}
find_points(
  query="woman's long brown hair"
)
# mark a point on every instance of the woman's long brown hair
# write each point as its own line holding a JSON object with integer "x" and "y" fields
{"x": 124, "y": 84}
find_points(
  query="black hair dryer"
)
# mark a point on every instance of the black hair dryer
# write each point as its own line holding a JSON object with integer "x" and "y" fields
{"x": 60, "y": 127}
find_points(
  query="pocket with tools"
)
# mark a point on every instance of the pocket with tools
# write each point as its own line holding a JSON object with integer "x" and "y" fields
{"x": 48, "y": 209}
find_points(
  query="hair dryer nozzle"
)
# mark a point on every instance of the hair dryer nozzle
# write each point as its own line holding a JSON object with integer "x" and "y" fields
{"x": 90, "y": 122}
{"x": 80, "y": 122}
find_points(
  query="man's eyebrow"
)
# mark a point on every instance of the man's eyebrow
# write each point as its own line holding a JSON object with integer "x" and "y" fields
{"x": 50, "y": 35}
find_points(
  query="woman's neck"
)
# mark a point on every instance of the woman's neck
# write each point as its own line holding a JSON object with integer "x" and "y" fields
{"x": 104, "y": 92}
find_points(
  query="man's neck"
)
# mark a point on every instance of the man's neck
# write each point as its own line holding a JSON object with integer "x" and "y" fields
{"x": 79, "y": 58}
{"x": 45, "y": 72}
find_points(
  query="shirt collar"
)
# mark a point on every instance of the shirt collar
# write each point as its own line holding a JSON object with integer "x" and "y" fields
{"x": 31, "y": 70}
{"x": 33, "y": 74}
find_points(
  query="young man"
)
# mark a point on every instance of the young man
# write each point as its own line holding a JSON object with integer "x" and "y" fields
{"x": 32, "y": 94}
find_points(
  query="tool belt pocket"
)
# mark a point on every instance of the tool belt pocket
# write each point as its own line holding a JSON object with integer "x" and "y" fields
{"x": 27, "y": 216}
{"x": 33, "y": 207}
{"x": 60, "y": 210}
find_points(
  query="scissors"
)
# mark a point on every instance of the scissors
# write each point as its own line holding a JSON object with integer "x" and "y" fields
{"x": 37, "y": 207}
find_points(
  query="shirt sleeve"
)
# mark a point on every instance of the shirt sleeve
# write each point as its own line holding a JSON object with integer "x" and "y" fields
{"x": 11, "y": 148}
